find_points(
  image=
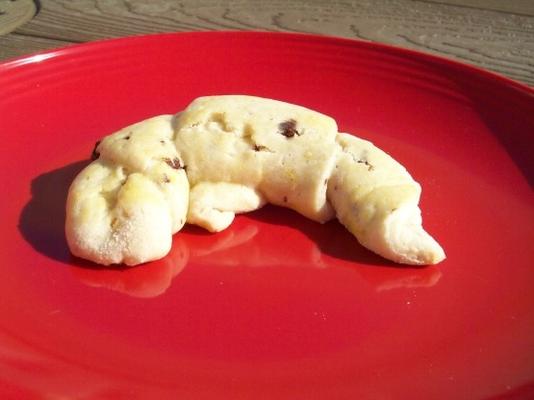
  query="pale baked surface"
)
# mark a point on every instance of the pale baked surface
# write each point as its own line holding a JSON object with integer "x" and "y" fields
{"x": 125, "y": 206}
{"x": 232, "y": 154}
{"x": 281, "y": 152}
{"x": 376, "y": 199}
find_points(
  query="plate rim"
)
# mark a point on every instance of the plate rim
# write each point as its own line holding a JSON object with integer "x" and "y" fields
{"x": 36, "y": 58}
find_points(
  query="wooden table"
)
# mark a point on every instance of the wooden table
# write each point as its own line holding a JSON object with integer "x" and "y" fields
{"x": 493, "y": 34}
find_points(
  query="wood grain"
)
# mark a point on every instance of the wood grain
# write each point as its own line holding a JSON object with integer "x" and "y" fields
{"x": 525, "y": 7}
{"x": 15, "y": 13}
{"x": 17, "y": 45}
{"x": 492, "y": 34}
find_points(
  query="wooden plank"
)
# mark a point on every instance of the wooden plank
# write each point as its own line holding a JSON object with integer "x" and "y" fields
{"x": 498, "y": 39}
{"x": 15, "y": 45}
{"x": 15, "y": 13}
{"x": 519, "y": 7}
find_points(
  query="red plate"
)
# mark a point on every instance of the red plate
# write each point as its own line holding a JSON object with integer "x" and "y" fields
{"x": 276, "y": 306}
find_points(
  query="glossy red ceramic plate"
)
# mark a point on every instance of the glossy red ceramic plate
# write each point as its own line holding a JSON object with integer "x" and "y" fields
{"x": 275, "y": 307}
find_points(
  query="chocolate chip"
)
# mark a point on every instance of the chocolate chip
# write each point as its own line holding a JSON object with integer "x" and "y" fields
{"x": 369, "y": 166}
{"x": 259, "y": 147}
{"x": 288, "y": 128}
{"x": 174, "y": 163}
{"x": 95, "y": 154}
{"x": 126, "y": 138}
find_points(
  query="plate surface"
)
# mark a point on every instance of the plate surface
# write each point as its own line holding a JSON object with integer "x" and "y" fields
{"x": 276, "y": 306}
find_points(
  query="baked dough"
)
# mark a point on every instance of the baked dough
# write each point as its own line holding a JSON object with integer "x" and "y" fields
{"x": 263, "y": 150}
{"x": 126, "y": 205}
{"x": 231, "y": 154}
{"x": 376, "y": 199}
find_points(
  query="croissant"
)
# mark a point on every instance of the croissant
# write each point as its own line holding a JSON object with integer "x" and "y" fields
{"x": 232, "y": 154}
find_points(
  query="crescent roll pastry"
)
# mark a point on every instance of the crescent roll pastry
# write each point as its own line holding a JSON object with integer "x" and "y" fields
{"x": 232, "y": 154}
{"x": 125, "y": 206}
{"x": 262, "y": 150}
{"x": 376, "y": 199}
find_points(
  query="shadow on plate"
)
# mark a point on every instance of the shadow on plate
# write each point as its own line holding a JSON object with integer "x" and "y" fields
{"x": 330, "y": 239}
{"x": 247, "y": 242}
{"x": 42, "y": 221}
